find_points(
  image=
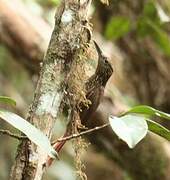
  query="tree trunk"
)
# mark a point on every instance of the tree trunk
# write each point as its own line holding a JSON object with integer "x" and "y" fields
{"x": 67, "y": 42}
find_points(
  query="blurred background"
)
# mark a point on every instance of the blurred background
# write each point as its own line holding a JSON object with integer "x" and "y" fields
{"x": 135, "y": 35}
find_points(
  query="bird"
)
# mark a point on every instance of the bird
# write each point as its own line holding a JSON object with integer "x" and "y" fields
{"x": 96, "y": 84}
{"x": 94, "y": 87}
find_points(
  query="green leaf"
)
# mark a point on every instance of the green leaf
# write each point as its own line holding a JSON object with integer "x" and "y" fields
{"x": 147, "y": 110}
{"x": 49, "y": 3}
{"x": 142, "y": 28}
{"x": 150, "y": 24}
{"x": 160, "y": 37}
{"x": 8, "y": 100}
{"x": 117, "y": 27}
{"x": 158, "y": 129}
{"x": 130, "y": 128}
{"x": 34, "y": 134}
{"x": 150, "y": 11}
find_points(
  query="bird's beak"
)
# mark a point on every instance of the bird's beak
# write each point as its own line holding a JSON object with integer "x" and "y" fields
{"x": 98, "y": 49}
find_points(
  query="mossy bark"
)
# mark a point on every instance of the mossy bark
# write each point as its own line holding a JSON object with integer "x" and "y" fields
{"x": 67, "y": 42}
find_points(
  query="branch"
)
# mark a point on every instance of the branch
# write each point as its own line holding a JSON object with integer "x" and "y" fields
{"x": 16, "y": 136}
{"x": 73, "y": 136}
{"x": 16, "y": 21}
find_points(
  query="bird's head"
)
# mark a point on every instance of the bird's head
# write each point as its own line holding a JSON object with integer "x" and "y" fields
{"x": 104, "y": 68}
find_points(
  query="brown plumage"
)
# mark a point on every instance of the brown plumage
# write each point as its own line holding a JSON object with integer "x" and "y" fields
{"x": 95, "y": 90}
{"x": 96, "y": 84}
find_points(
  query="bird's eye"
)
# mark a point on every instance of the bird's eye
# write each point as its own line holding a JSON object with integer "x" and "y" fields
{"x": 105, "y": 61}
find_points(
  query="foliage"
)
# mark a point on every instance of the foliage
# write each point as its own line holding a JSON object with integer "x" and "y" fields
{"x": 117, "y": 27}
{"x": 8, "y": 100}
{"x": 49, "y": 3}
{"x": 132, "y": 126}
{"x": 34, "y": 134}
{"x": 149, "y": 23}
{"x": 129, "y": 128}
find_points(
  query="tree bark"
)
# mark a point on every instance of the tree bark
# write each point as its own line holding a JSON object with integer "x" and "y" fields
{"x": 66, "y": 44}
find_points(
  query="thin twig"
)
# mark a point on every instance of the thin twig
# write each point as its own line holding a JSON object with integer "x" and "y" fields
{"x": 16, "y": 136}
{"x": 19, "y": 137}
{"x": 82, "y": 133}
